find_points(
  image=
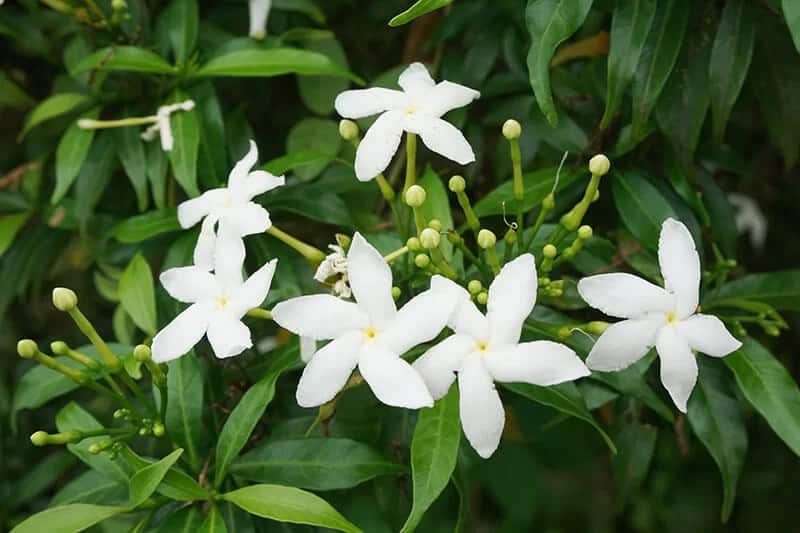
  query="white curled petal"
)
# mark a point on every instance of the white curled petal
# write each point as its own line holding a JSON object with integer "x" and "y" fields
{"x": 362, "y": 103}
{"x": 438, "y": 365}
{"x": 229, "y": 256}
{"x": 680, "y": 265}
{"x": 441, "y": 137}
{"x": 241, "y": 169}
{"x": 329, "y": 370}
{"x": 542, "y": 363}
{"x": 466, "y": 318}
{"x": 624, "y": 295}
{"x": 447, "y": 96}
{"x": 707, "y": 334}
{"x": 678, "y": 366}
{"x": 512, "y": 296}
{"x": 259, "y": 182}
{"x": 245, "y": 219}
{"x": 420, "y": 320}
{"x": 319, "y": 316}
{"x": 206, "y": 245}
{"x": 308, "y": 347}
{"x": 180, "y": 335}
{"x": 253, "y": 292}
{"x": 416, "y": 81}
{"x": 192, "y": 211}
{"x": 622, "y": 344}
{"x": 259, "y": 14}
{"x": 482, "y": 414}
{"x": 371, "y": 281}
{"x": 165, "y": 131}
{"x": 228, "y": 335}
{"x": 189, "y": 284}
{"x": 379, "y": 145}
{"x": 392, "y": 380}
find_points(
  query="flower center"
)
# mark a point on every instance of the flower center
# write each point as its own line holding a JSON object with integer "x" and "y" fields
{"x": 410, "y": 110}
{"x": 228, "y": 201}
{"x": 370, "y": 333}
{"x": 672, "y": 318}
{"x": 482, "y": 346}
{"x": 222, "y": 302}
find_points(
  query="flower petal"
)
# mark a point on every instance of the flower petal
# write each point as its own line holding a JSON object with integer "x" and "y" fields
{"x": 192, "y": 211}
{"x": 253, "y": 292}
{"x": 371, "y": 281}
{"x": 189, "y": 284}
{"x": 707, "y": 334}
{"x": 259, "y": 182}
{"x": 379, "y": 145}
{"x": 308, "y": 347}
{"x": 245, "y": 219}
{"x": 438, "y": 365}
{"x": 205, "y": 247}
{"x": 680, "y": 265}
{"x": 447, "y": 96}
{"x": 362, "y": 103}
{"x": 241, "y": 169}
{"x": 319, "y": 316}
{"x": 392, "y": 380}
{"x": 329, "y": 370}
{"x": 420, "y": 320}
{"x": 466, "y": 318}
{"x": 228, "y": 335}
{"x": 678, "y": 366}
{"x": 180, "y": 335}
{"x": 229, "y": 256}
{"x": 542, "y": 363}
{"x": 441, "y": 137}
{"x": 482, "y": 414}
{"x": 624, "y": 295}
{"x": 259, "y": 13}
{"x": 512, "y": 296}
{"x": 622, "y": 344}
{"x": 416, "y": 81}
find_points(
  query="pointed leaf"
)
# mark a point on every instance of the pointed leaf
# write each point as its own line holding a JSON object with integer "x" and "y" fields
{"x": 137, "y": 294}
{"x": 185, "y": 406}
{"x": 145, "y": 482}
{"x": 130, "y": 148}
{"x": 273, "y": 62}
{"x": 70, "y": 155}
{"x": 125, "y": 58}
{"x": 67, "y": 519}
{"x": 781, "y": 290}
{"x": 183, "y": 155}
{"x": 54, "y": 106}
{"x": 420, "y": 7}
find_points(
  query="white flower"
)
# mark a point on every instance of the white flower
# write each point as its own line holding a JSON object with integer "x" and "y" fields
{"x": 231, "y": 207}
{"x": 259, "y": 13}
{"x": 335, "y": 266}
{"x": 163, "y": 125}
{"x": 485, "y": 349}
{"x": 655, "y": 316}
{"x": 370, "y": 333}
{"x": 750, "y": 219}
{"x": 218, "y": 303}
{"x": 415, "y": 109}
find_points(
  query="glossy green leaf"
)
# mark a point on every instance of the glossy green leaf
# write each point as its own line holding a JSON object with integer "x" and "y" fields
{"x": 288, "y": 504}
{"x": 137, "y": 294}
{"x": 94, "y": 177}
{"x": 213, "y": 167}
{"x": 641, "y": 206}
{"x": 54, "y": 106}
{"x": 318, "y": 135}
{"x": 637, "y": 444}
{"x": 185, "y": 406}
{"x": 182, "y": 23}
{"x": 176, "y": 484}
{"x": 273, "y": 62}
{"x": 538, "y": 184}
{"x": 419, "y": 8}
{"x": 214, "y": 523}
{"x": 70, "y": 155}
{"x": 183, "y": 156}
{"x": 91, "y": 487}
{"x": 314, "y": 201}
{"x": 67, "y": 519}
{"x": 142, "y": 227}
{"x": 434, "y": 452}
{"x": 780, "y": 289}
{"x": 125, "y": 58}
{"x": 10, "y": 225}
{"x": 130, "y": 149}
{"x": 297, "y": 160}
{"x": 183, "y": 520}
{"x": 319, "y": 92}
{"x": 145, "y": 481}
{"x": 40, "y": 477}
{"x": 157, "y": 164}
{"x": 791, "y": 12}
{"x": 550, "y": 22}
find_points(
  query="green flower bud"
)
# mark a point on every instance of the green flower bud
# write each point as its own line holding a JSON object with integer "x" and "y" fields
{"x": 27, "y": 349}
{"x": 396, "y": 292}
{"x": 40, "y": 438}
{"x": 121, "y": 413}
{"x": 549, "y": 251}
{"x": 422, "y": 260}
{"x": 457, "y": 184}
{"x": 429, "y": 238}
{"x": 585, "y": 232}
{"x": 564, "y": 332}
{"x": 511, "y": 129}
{"x": 59, "y": 347}
{"x": 544, "y": 281}
{"x": 486, "y": 239}
{"x": 158, "y": 429}
{"x": 549, "y": 202}
{"x": 436, "y": 224}
{"x": 95, "y": 448}
{"x": 413, "y": 244}
{"x": 597, "y": 327}
{"x": 348, "y": 130}
{"x": 64, "y": 299}
{"x": 511, "y": 236}
{"x": 415, "y": 196}
{"x": 118, "y": 5}
{"x": 771, "y": 330}
{"x": 474, "y": 286}
{"x": 142, "y": 353}
{"x": 482, "y": 297}
{"x": 599, "y": 165}
{"x": 144, "y": 431}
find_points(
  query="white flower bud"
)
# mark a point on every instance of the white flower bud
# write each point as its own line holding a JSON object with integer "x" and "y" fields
{"x": 429, "y": 238}
{"x": 415, "y": 196}
{"x": 64, "y": 299}
{"x": 599, "y": 165}
{"x": 457, "y": 184}
{"x": 348, "y": 130}
{"x": 26, "y": 348}
{"x": 486, "y": 239}
{"x": 511, "y": 129}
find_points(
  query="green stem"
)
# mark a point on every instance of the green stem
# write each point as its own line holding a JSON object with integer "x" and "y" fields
{"x": 519, "y": 185}
{"x": 411, "y": 161}
{"x": 438, "y": 259}
{"x": 386, "y": 189}
{"x": 112, "y": 361}
{"x": 394, "y": 255}
{"x": 491, "y": 255}
{"x": 314, "y": 255}
{"x": 260, "y": 313}
{"x": 91, "y": 124}
{"x": 472, "y": 220}
{"x": 573, "y": 219}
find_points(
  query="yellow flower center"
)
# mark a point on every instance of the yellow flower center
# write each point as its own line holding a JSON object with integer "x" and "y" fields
{"x": 222, "y": 302}
{"x": 410, "y": 110}
{"x": 370, "y": 333}
{"x": 672, "y": 318}
{"x": 482, "y": 346}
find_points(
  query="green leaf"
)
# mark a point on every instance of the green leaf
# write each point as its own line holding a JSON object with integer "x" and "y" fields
{"x": 145, "y": 482}
{"x": 637, "y": 444}
{"x": 10, "y": 225}
{"x": 176, "y": 484}
{"x": 137, "y": 294}
{"x": 157, "y": 173}
{"x": 91, "y": 487}
{"x": 297, "y": 160}
{"x": 658, "y": 58}
{"x": 314, "y": 463}
{"x": 550, "y": 22}
{"x": 54, "y": 106}
{"x": 94, "y": 177}
{"x": 184, "y": 418}
{"x": 11, "y": 95}
{"x": 420, "y": 7}
{"x": 319, "y": 92}
{"x": 288, "y": 504}
{"x": 716, "y": 419}
{"x": 184, "y": 520}
{"x": 130, "y": 149}
{"x": 274, "y": 62}
{"x": 142, "y": 227}
{"x": 314, "y": 201}
{"x": 181, "y": 16}
{"x": 214, "y": 523}
{"x": 241, "y": 422}
{"x": 67, "y": 519}
{"x": 791, "y": 12}
{"x": 213, "y": 152}
{"x": 434, "y": 452}
{"x": 301, "y": 6}
{"x": 125, "y": 58}
{"x": 767, "y": 385}
{"x": 630, "y": 26}
{"x": 183, "y": 155}
{"x": 781, "y": 290}
{"x": 720, "y": 211}
{"x": 319, "y": 135}
{"x": 537, "y": 185}
{"x": 40, "y": 477}
{"x": 641, "y": 206}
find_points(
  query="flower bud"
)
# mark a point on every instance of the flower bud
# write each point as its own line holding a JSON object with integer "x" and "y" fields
{"x": 486, "y": 239}
{"x": 348, "y": 130}
{"x": 415, "y": 196}
{"x": 396, "y": 292}
{"x": 413, "y": 244}
{"x": 474, "y": 286}
{"x": 597, "y": 327}
{"x": 564, "y": 333}
{"x": 549, "y": 251}
{"x": 599, "y": 165}
{"x": 142, "y": 353}
{"x": 585, "y": 232}
{"x": 422, "y": 260}
{"x": 457, "y": 184}
{"x": 482, "y": 297}
{"x": 64, "y": 299}
{"x": 510, "y": 236}
{"x": 429, "y": 238}
{"x": 549, "y": 202}
{"x": 59, "y": 347}
{"x": 435, "y": 224}
{"x": 118, "y": 5}
{"x": 158, "y": 429}
{"x": 39, "y": 438}
{"x": 544, "y": 281}
{"x": 27, "y": 349}
{"x": 511, "y": 129}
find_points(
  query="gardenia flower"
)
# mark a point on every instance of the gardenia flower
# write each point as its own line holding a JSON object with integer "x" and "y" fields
{"x": 259, "y": 13}
{"x": 218, "y": 303}
{"x": 485, "y": 349}
{"x": 335, "y": 266}
{"x": 415, "y": 109}
{"x": 163, "y": 125}
{"x": 370, "y": 333}
{"x": 655, "y": 316}
{"x": 230, "y": 207}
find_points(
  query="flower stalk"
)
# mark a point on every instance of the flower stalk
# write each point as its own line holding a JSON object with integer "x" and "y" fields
{"x": 313, "y": 255}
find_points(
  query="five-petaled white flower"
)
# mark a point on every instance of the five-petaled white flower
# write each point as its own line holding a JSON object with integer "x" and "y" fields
{"x": 229, "y": 207}
{"x": 259, "y": 13}
{"x": 370, "y": 333}
{"x": 218, "y": 303}
{"x": 415, "y": 109}
{"x": 655, "y": 316}
{"x": 485, "y": 349}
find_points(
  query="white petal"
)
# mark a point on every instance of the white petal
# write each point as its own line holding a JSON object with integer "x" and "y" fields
{"x": 707, "y": 334}
{"x": 416, "y": 81}
{"x": 192, "y": 211}
{"x": 228, "y": 335}
{"x": 680, "y": 265}
{"x": 624, "y": 295}
{"x": 542, "y": 363}
{"x": 482, "y": 414}
{"x": 329, "y": 370}
{"x": 466, "y": 318}
{"x": 438, "y": 365}
{"x": 379, "y": 145}
{"x": 371, "y": 281}
{"x": 308, "y": 347}
{"x": 245, "y": 219}
{"x": 259, "y": 182}
{"x": 241, "y": 169}
{"x": 189, "y": 284}
{"x": 392, "y": 380}
{"x": 365, "y": 102}
{"x": 229, "y": 256}
{"x": 678, "y": 366}
{"x": 512, "y": 296}
{"x": 622, "y": 344}
{"x": 441, "y": 137}
{"x": 165, "y": 131}
{"x": 205, "y": 247}
{"x": 420, "y": 320}
{"x": 319, "y": 316}
{"x": 253, "y": 292}
{"x": 447, "y": 96}
{"x": 259, "y": 13}
{"x": 180, "y": 335}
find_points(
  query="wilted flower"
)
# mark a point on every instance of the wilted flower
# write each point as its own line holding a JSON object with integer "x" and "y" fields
{"x": 259, "y": 14}
{"x": 750, "y": 219}
{"x": 333, "y": 270}
{"x": 163, "y": 126}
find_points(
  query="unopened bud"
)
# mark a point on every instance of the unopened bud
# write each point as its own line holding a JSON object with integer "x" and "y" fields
{"x": 158, "y": 429}
{"x": 422, "y": 260}
{"x": 486, "y": 239}
{"x": 64, "y": 299}
{"x": 474, "y": 286}
{"x": 429, "y": 238}
{"x": 599, "y": 165}
{"x": 549, "y": 251}
{"x": 396, "y": 292}
{"x": 142, "y": 353}
{"x": 435, "y": 224}
{"x": 27, "y": 348}
{"x": 39, "y": 438}
{"x": 564, "y": 332}
{"x": 597, "y": 327}
{"x": 413, "y": 244}
{"x": 415, "y": 196}
{"x": 511, "y": 129}
{"x": 549, "y": 202}
{"x": 118, "y": 5}
{"x": 457, "y": 184}
{"x": 482, "y": 297}
{"x": 59, "y": 347}
{"x": 511, "y": 236}
{"x": 585, "y": 232}
{"x": 348, "y": 130}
